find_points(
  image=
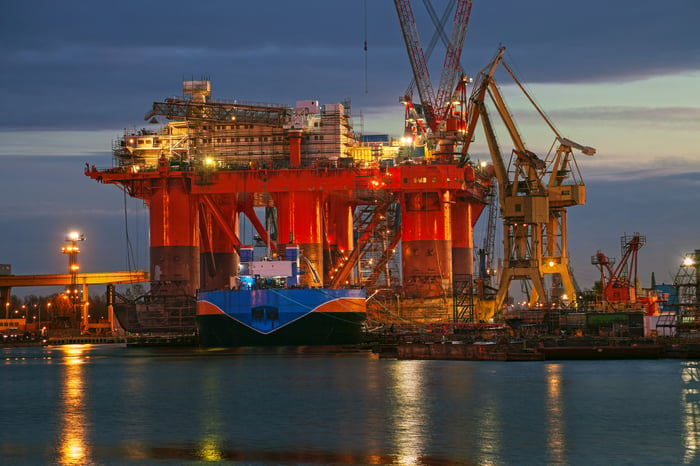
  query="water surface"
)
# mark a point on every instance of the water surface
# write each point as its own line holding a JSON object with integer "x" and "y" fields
{"x": 109, "y": 405}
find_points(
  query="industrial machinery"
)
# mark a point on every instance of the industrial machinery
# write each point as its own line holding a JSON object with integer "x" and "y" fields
{"x": 534, "y": 194}
{"x": 397, "y": 221}
{"x": 684, "y": 319}
{"x": 442, "y": 117}
{"x": 336, "y": 203}
{"x": 437, "y": 124}
{"x": 619, "y": 284}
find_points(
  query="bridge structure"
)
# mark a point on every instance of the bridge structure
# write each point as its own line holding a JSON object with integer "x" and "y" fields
{"x": 7, "y": 282}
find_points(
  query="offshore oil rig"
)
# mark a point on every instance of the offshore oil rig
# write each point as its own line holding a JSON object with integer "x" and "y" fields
{"x": 394, "y": 217}
{"x": 347, "y": 206}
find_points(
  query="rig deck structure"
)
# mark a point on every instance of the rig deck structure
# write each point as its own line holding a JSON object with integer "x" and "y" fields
{"x": 373, "y": 215}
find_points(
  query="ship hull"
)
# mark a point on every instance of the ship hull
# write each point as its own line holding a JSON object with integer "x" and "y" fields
{"x": 164, "y": 315}
{"x": 280, "y": 317}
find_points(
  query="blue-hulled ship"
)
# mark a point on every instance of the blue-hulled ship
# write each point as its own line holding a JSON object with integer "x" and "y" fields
{"x": 266, "y": 306}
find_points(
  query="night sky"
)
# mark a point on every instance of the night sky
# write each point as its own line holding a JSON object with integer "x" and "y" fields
{"x": 623, "y": 77}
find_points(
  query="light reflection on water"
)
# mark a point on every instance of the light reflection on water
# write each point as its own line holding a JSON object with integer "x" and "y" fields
{"x": 211, "y": 425}
{"x": 408, "y": 415}
{"x": 74, "y": 448}
{"x": 95, "y": 406}
{"x": 487, "y": 429}
{"x": 690, "y": 404}
{"x": 556, "y": 428}
{"x": 134, "y": 383}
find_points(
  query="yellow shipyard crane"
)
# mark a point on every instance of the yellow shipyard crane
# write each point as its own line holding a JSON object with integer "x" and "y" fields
{"x": 533, "y": 194}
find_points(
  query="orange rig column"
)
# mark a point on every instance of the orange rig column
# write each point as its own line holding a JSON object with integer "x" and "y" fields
{"x": 427, "y": 256}
{"x": 299, "y": 222}
{"x": 218, "y": 259}
{"x": 174, "y": 237}
{"x": 338, "y": 232}
{"x": 462, "y": 238}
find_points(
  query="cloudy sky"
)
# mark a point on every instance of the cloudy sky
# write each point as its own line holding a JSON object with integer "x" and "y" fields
{"x": 621, "y": 76}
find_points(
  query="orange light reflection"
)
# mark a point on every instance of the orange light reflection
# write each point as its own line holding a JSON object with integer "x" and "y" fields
{"x": 73, "y": 446}
{"x": 409, "y": 417}
{"x": 556, "y": 437}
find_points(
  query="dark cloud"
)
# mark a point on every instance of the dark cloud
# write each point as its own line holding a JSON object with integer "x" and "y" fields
{"x": 554, "y": 41}
{"x": 75, "y": 65}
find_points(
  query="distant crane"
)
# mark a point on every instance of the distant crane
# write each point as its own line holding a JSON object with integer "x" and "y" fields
{"x": 619, "y": 284}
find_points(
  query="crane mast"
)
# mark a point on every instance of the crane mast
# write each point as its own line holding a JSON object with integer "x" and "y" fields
{"x": 533, "y": 193}
{"x": 417, "y": 59}
{"x": 454, "y": 51}
{"x": 436, "y": 106}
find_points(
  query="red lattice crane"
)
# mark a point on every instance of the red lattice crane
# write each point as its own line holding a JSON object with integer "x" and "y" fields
{"x": 619, "y": 284}
{"x": 436, "y": 106}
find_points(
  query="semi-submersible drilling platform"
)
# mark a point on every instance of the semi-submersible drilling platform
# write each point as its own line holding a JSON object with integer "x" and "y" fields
{"x": 362, "y": 214}
{"x": 346, "y": 211}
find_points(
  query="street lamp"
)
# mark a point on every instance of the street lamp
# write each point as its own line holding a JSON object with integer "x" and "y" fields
{"x": 72, "y": 250}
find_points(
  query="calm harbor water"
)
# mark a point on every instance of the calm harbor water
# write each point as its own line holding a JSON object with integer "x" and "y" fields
{"x": 111, "y": 405}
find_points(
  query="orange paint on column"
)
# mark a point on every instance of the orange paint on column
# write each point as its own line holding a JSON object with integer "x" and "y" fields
{"x": 339, "y": 223}
{"x": 426, "y": 244}
{"x": 462, "y": 237}
{"x": 299, "y": 222}
{"x": 219, "y": 260}
{"x": 174, "y": 238}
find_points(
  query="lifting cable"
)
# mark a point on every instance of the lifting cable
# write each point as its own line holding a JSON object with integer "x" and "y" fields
{"x": 365, "y": 27}
{"x": 129, "y": 250}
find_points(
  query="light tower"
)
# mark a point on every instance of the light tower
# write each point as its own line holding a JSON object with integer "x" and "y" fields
{"x": 72, "y": 250}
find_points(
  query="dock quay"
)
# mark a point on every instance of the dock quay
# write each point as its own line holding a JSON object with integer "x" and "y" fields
{"x": 477, "y": 351}
{"x": 83, "y": 340}
{"x": 162, "y": 340}
{"x": 427, "y": 347}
